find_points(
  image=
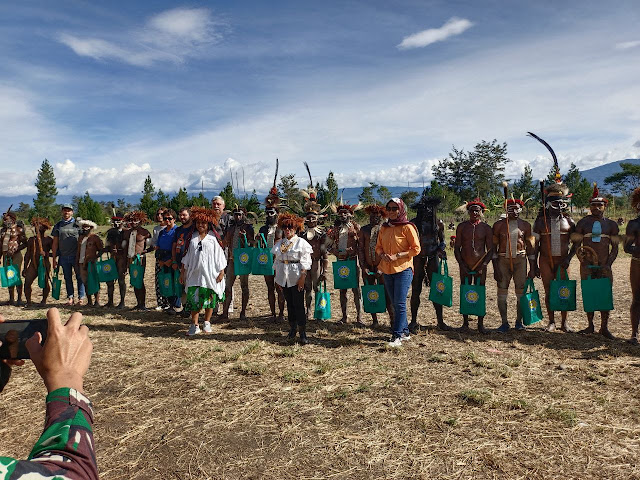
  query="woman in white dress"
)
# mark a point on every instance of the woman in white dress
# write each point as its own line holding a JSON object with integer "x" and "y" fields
{"x": 292, "y": 261}
{"x": 203, "y": 268}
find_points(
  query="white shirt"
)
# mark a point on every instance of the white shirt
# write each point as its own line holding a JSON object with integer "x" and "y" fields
{"x": 288, "y": 274}
{"x": 202, "y": 267}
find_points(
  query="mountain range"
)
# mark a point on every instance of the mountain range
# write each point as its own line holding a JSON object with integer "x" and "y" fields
{"x": 350, "y": 194}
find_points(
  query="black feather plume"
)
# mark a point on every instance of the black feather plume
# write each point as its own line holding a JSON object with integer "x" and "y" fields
{"x": 553, "y": 154}
{"x": 275, "y": 177}
{"x": 309, "y": 172}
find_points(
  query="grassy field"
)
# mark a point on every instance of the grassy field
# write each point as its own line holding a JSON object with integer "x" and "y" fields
{"x": 243, "y": 403}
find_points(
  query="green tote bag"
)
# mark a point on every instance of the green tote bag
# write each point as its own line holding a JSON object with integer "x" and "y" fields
{"x": 322, "y": 310}
{"x": 562, "y": 294}
{"x": 597, "y": 294}
{"x": 136, "y": 273}
{"x": 9, "y": 275}
{"x": 107, "y": 269}
{"x": 441, "y": 291}
{"x": 178, "y": 288}
{"x": 530, "y": 304}
{"x": 93, "y": 284}
{"x": 56, "y": 285}
{"x": 472, "y": 299}
{"x": 243, "y": 258}
{"x": 165, "y": 282}
{"x": 262, "y": 258}
{"x": 42, "y": 272}
{"x": 344, "y": 274}
{"x": 373, "y": 299}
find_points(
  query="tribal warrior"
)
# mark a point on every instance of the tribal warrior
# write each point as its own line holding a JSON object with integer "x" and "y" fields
{"x": 473, "y": 251}
{"x": 632, "y": 247}
{"x": 234, "y": 237}
{"x": 138, "y": 242}
{"x": 89, "y": 249}
{"x": 599, "y": 239}
{"x": 514, "y": 245}
{"x": 344, "y": 245}
{"x": 13, "y": 241}
{"x": 432, "y": 248}
{"x": 38, "y": 246}
{"x": 115, "y": 245}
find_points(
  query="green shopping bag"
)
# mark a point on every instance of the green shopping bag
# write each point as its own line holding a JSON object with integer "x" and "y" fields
{"x": 344, "y": 274}
{"x": 597, "y": 294}
{"x": 472, "y": 299}
{"x": 56, "y": 285}
{"x": 441, "y": 291}
{"x": 107, "y": 269}
{"x": 242, "y": 259}
{"x": 530, "y": 304}
{"x": 178, "y": 288}
{"x": 322, "y": 310}
{"x": 562, "y": 294}
{"x": 263, "y": 258}
{"x": 165, "y": 282}
{"x": 9, "y": 275}
{"x": 373, "y": 299}
{"x": 93, "y": 284}
{"x": 136, "y": 273}
{"x": 42, "y": 273}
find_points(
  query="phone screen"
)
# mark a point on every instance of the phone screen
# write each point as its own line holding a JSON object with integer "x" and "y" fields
{"x": 14, "y": 334}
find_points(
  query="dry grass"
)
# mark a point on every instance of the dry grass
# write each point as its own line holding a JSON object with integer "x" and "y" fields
{"x": 242, "y": 403}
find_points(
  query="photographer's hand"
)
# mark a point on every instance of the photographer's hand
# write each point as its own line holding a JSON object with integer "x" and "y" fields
{"x": 64, "y": 358}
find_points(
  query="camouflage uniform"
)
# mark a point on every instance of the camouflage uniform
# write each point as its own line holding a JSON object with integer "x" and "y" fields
{"x": 65, "y": 449}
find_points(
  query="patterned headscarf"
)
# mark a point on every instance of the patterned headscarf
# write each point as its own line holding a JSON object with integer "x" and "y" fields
{"x": 402, "y": 212}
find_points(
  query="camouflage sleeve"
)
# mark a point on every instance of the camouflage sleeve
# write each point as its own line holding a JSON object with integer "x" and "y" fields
{"x": 65, "y": 449}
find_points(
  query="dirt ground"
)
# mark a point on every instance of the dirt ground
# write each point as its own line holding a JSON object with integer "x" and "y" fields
{"x": 243, "y": 403}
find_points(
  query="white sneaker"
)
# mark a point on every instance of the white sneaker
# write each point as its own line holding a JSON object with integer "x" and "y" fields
{"x": 158, "y": 309}
{"x": 395, "y": 343}
{"x": 193, "y": 330}
{"x": 207, "y": 327}
{"x": 405, "y": 337}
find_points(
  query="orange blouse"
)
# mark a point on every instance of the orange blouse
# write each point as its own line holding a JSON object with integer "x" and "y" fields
{"x": 394, "y": 239}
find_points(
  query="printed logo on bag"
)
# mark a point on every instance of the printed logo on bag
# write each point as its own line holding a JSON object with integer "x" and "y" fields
{"x": 564, "y": 293}
{"x": 167, "y": 282}
{"x": 440, "y": 286}
{"x": 472, "y": 296}
{"x": 373, "y": 296}
{"x": 343, "y": 272}
{"x": 106, "y": 268}
{"x": 323, "y": 303}
{"x": 135, "y": 273}
{"x": 244, "y": 258}
{"x": 533, "y": 305}
{"x": 10, "y": 274}
{"x": 263, "y": 259}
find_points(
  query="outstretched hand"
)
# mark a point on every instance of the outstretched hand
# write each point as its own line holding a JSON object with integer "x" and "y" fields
{"x": 64, "y": 358}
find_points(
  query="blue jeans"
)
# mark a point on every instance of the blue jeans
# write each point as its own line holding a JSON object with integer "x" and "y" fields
{"x": 397, "y": 286}
{"x": 67, "y": 264}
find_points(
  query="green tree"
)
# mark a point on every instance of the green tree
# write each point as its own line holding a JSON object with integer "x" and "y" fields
{"x": 289, "y": 188}
{"x": 332, "y": 190}
{"x": 409, "y": 197}
{"x": 201, "y": 201}
{"x": 24, "y": 212}
{"x": 44, "y": 205}
{"x": 179, "y": 200}
{"x": 582, "y": 193}
{"x": 89, "y": 209}
{"x": 384, "y": 194}
{"x": 123, "y": 206}
{"x": 527, "y": 189}
{"x": 450, "y": 199}
{"x": 148, "y": 202}
{"x": 228, "y": 196}
{"x": 368, "y": 194}
{"x": 162, "y": 199}
{"x": 252, "y": 203}
{"x": 488, "y": 160}
{"x": 455, "y": 172}
{"x": 627, "y": 180}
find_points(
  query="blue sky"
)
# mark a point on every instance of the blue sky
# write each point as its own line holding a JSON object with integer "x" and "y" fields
{"x": 375, "y": 91}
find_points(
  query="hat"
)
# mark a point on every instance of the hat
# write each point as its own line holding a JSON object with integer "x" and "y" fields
{"x": 290, "y": 218}
{"x": 476, "y": 202}
{"x": 515, "y": 201}
{"x": 86, "y": 223}
{"x": 273, "y": 199}
{"x": 200, "y": 214}
{"x": 41, "y": 222}
{"x": 376, "y": 209}
{"x": 67, "y": 205}
{"x": 595, "y": 196}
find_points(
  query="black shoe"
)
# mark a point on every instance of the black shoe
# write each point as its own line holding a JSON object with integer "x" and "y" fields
{"x": 292, "y": 332}
{"x": 303, "y": 337}
{"x": 170, "y": 311}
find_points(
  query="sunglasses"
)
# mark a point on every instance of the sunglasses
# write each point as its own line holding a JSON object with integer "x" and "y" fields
{"x": 288, "y": 227}
{"x": 392, "y": 209}
{"x": 168, "y": 218}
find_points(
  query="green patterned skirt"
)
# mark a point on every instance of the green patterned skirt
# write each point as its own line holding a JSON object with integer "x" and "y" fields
{"x": 201, "y": 297}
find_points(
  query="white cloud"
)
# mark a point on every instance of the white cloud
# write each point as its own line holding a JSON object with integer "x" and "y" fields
{"x": 627, "y": 45}
{"x": 170, "y": 36}
{"x": 637, "y": 144}
{"x": 453, "y": 26}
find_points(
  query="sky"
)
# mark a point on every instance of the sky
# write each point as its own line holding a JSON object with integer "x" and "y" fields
{"x": 110, "y": 92}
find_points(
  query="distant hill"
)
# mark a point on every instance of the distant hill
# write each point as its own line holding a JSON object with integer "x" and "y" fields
{"x": 598, "y": 174}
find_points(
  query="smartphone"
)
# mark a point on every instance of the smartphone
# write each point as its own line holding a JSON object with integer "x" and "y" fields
{"x": 14, "y": 334}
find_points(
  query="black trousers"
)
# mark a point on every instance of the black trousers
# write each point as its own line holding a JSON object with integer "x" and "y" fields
{"x": 295, "y": 306}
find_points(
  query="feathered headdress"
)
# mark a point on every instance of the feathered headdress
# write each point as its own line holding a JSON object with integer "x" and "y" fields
{"x": 39, "y": 222}
{"x": 635, "y": 199}
{"x": 376, "y": 209}
{"x": 290, "y": 218}
{"x": 595, "y": 196}
{"x": 557, "y": 189}
{"x": 345, "y": 206}
{"x": 201, "y": 214}
{"x": 136, "y": 216}
{"x": 86, "y": 223}
{"x": 273, "y": 199}
{"x": 476, "y": 202}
